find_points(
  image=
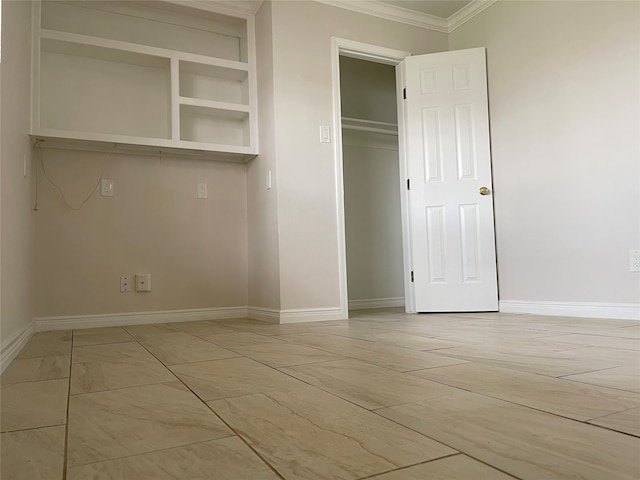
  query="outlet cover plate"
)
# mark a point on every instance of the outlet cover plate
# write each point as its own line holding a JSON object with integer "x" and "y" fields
{"x": 107, "y": 187}
{"x": 634, "y": 260}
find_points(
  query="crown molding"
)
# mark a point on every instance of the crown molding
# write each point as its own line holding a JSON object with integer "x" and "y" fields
{"x": 390, "y": 12}
{"x": 411, "y": 17}
{"x": 240, "y": 8}
{"x": 467, "y": 12}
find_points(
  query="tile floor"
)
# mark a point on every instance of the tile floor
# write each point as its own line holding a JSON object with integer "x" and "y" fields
{"x": 383, "y": 396}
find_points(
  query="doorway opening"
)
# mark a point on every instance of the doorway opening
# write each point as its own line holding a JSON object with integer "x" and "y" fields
{"x": 371, "y": 179}
{"x": 368, "y": 172}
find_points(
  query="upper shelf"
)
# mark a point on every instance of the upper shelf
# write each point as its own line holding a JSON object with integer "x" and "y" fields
{"x": 370, "y": 126}
{"x": 144, "y": 73}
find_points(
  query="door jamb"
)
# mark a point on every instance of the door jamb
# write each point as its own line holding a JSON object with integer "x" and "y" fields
{"x": 375, "y": 53}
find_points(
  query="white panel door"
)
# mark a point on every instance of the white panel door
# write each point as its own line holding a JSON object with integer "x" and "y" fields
{"x": 449, "y": 168}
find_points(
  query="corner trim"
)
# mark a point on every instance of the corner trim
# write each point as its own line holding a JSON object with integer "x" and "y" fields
{"x": 71, "y": 322}
{"x": 12, "y": 347}
{"x": 376, "y": 303}
{"x": 300, "y": 315}
{"x": 614, "y": 311}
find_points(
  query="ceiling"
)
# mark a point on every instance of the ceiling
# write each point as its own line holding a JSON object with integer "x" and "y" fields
{"x": 438, "y": 8}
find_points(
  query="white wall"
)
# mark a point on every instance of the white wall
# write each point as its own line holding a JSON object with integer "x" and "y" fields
{"x": 309, "y": 277}
{"x": 564, "y": 111}
{"x": 264, "y": 270}
{"x": 17, "y": 219}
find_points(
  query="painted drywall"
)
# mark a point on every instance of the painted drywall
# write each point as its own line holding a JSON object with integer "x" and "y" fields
{"x": 264, "y": 270}
{"x": 564, "y": 111}
{"x": 17, "y": 229}
{"x": 371, "y": 179}
{"x": 307, "y": 208}
{"x": 195, "y": 249}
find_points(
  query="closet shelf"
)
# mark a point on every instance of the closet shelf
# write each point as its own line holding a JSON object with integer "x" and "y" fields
{"x": 372, "y": 126}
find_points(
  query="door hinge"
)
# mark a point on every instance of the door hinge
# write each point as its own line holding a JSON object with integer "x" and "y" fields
{"x": 408, "y": 184}
{"x": 411, "y": 276}
{"x": 404, "y": 93}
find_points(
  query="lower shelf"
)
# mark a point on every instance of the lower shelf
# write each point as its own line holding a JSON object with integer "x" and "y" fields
{"x": 141, "y": 146}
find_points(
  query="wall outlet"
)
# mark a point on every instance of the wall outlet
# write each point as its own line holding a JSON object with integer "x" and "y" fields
{"x": 125, "y": 284}
{"x": 143, "y": 282}
{"x": 107, "y": 187}
{"x": 634, "y": 260}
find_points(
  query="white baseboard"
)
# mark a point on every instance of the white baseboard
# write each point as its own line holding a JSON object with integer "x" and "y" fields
{"x": 264, "y": 314}
{"x": 376, "y": 303}
{"x": 137, "y": 318}
{"x": 616, "y": 311}
{"x": 300, "y": 315}
{"x": 15, "y": 343}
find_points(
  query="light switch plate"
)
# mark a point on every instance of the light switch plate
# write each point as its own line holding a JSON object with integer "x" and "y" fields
{"x": 325, "y": 134}
{"x": 202, "y": 190}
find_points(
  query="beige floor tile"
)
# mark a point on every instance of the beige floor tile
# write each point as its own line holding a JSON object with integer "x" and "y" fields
{"x": 523, "y": 442}
{"x": 231, "y": 378}
{"x": 399, "y": 339}
{"x": 240, "y": 339}
{"x": 387, "y": 356}
{"x": 368, "y": 385}
{"x": 97, "y": 336}
{"x": 152, "y": 329}
{"x": 601, "y": 341}
{"x": 34, "y": 404}
{"x": 611, "y": 356}
{"x": 223, "y": 459}
{"x": 310, "y": 434}
{"x": 117, "y": 365}
{"x": 129, "y": 421}
{"x": 623, "y": 378}
{"x": 285, "y": 354}
{"x": 627, "y": 422}
{"x": 47, "y": 344}
{"x": 456, "y": 467}
{"x": 205, "y": 327}
{"x": 553, "y": 395}
{"x": 36, "y": 454}
{"x": 37, "y": 368}
{"x": 543, "y": 364}
{"x": 176, "y": 348}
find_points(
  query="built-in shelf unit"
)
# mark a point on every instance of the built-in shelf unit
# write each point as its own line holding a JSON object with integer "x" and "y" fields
{"x": 167, "y": 75}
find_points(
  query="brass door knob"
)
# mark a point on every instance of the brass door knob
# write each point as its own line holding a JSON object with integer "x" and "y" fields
{"x": 484, "y": 191}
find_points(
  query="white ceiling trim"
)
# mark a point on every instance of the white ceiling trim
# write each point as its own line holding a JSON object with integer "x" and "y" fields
{"x": 412, "y": 17}
{"x": 241, "y": 8}
{"x": 370, "y": 7}
{"x": 390, "y": 12}
{"x": 467, "y": 12}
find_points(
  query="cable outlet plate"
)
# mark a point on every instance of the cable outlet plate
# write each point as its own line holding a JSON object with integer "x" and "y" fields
{"x": 143, "y": 282}
{"x": 125, "y": 284}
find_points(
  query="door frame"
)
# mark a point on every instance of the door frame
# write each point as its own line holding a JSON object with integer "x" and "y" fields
{"x": 373, "y": 53}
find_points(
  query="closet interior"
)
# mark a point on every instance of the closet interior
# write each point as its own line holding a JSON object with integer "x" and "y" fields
{"x": 373, "y": 225}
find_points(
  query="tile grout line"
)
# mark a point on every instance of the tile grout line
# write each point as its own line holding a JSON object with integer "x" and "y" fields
{"x": 66, "y": 427}
{"x": 271, "y": 467}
